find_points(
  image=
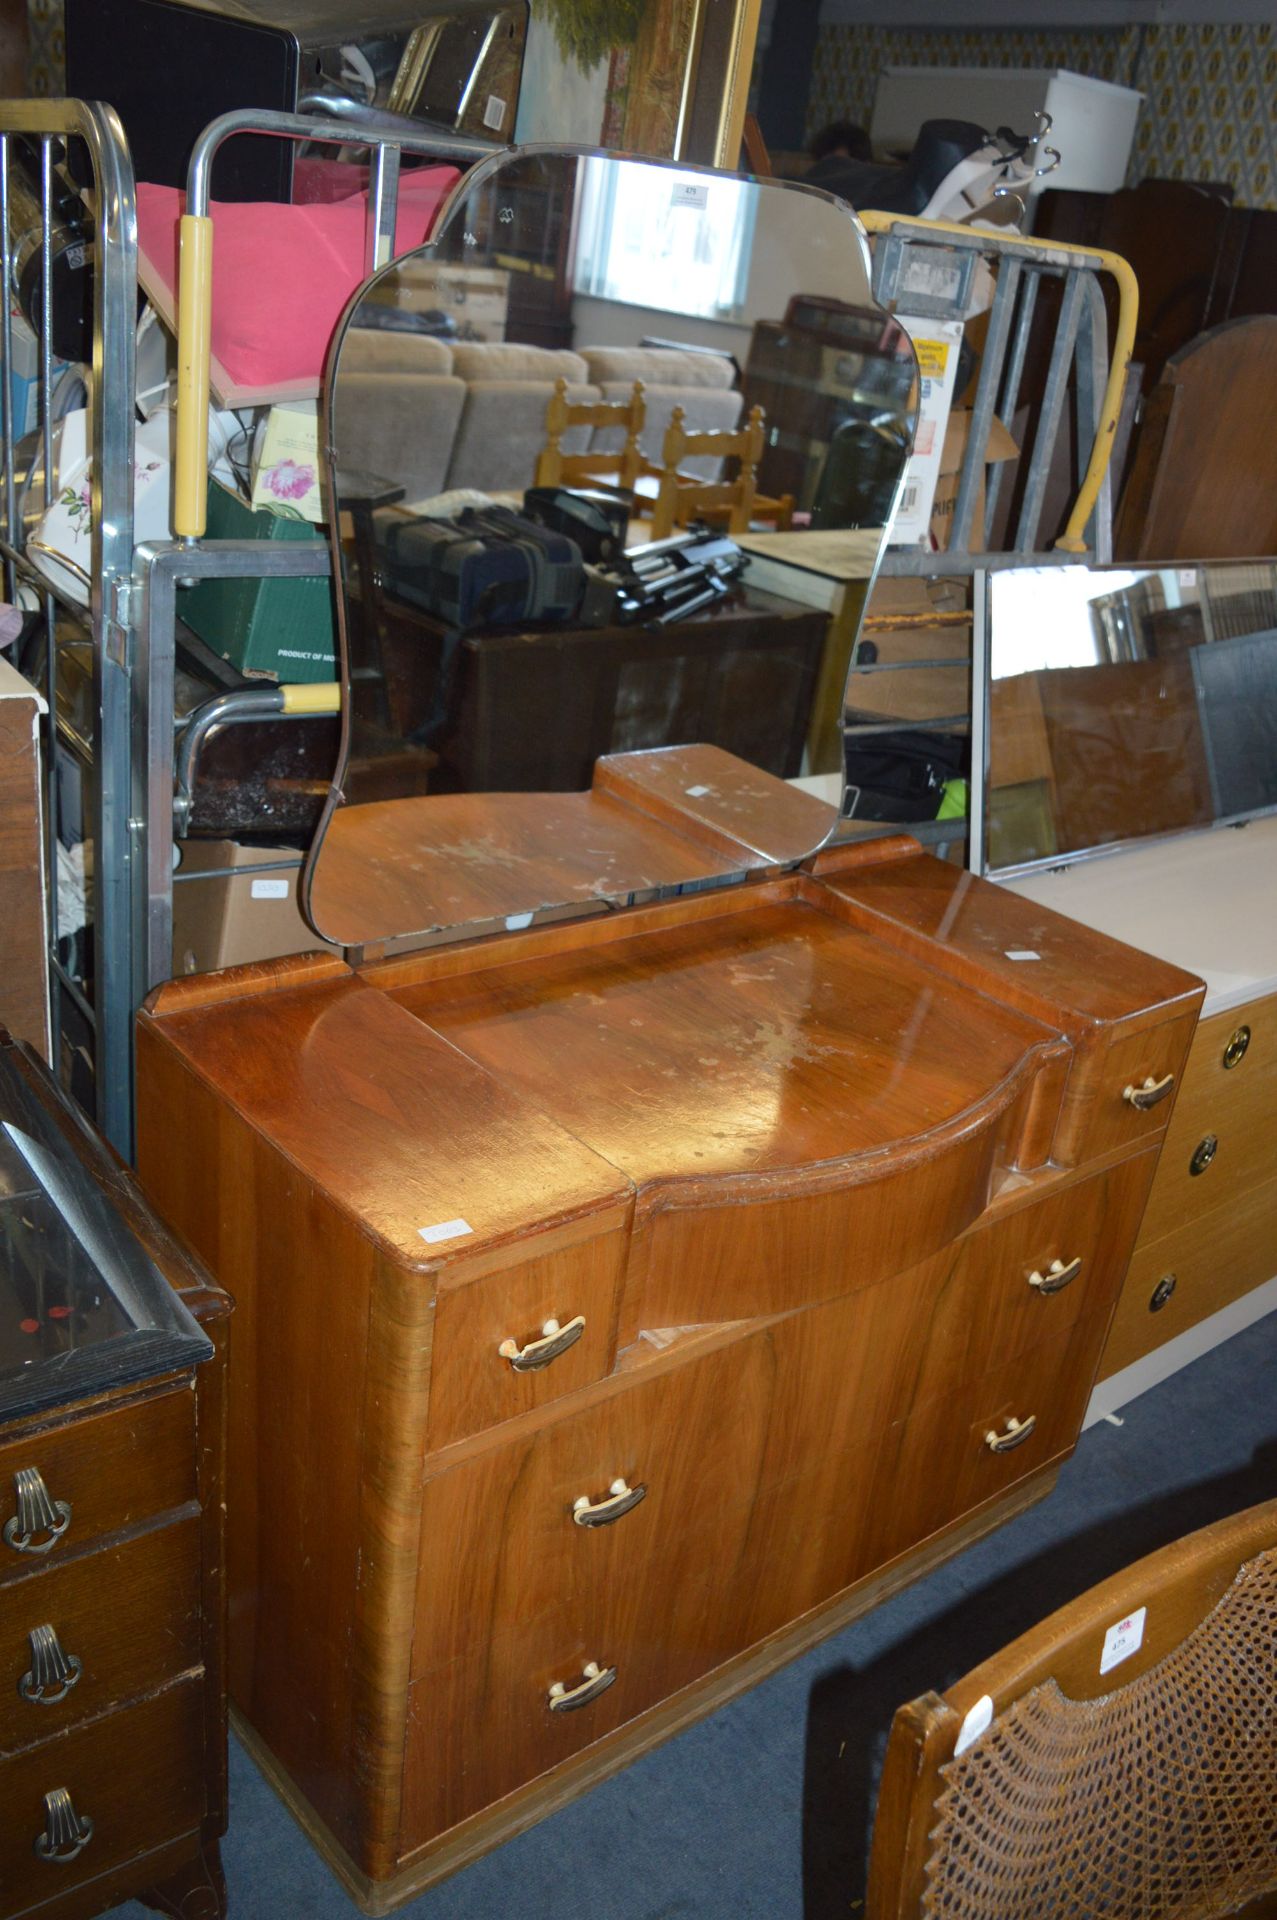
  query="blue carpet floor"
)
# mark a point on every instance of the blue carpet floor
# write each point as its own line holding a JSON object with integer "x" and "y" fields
{"x": 765, "y": 1808}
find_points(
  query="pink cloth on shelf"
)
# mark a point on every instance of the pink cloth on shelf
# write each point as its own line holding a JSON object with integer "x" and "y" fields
{"x": 281, "y": 274}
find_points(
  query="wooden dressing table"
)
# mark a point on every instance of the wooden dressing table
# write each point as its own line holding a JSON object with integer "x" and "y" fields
{"x": 625, "y": 1304}
{"x": 628, "y": 1299}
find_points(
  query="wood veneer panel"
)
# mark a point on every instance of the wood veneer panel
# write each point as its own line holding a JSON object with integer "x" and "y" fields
{"x": 116, "y": 1470}
{"x": 150, "y": 1632}
{"x": 474, "y": 1386}
{"x": 935, "y": 1465}
{"x": 296, "y": 1466}
{"x": 134, "y": 1807}
{"x": 734, "y": 1048}
{"x": 1080, "y": 978}
{"x": 350, "y": 1090}
{"x": 1238, "y": 1105}
{"x": 1216, "y": 1256}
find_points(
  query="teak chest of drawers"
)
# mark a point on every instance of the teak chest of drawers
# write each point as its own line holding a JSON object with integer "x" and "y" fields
{"x": 624, "y": 1305}
{"x": 112, "y": 1693}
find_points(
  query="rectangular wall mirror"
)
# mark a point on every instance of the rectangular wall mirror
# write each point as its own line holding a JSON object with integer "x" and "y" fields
{"x": 1126, "y": 703}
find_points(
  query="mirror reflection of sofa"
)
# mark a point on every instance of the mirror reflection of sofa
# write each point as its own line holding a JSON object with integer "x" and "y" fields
{"x": 442, "y": 415}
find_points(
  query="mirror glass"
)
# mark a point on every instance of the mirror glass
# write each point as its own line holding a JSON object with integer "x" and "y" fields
{"x": 611, "y": 463}
{"x": 1126, "y": 703}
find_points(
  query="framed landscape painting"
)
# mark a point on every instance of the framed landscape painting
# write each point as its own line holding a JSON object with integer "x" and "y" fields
{"x": 667, "y": 78}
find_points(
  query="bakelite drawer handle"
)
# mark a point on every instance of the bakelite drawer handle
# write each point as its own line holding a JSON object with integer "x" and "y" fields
{"x": 1057, "y": 1276}
{"x": 622, "y": 1499}
{"x": 37, "y": 1514}
{"x": 52, "y": 1673}
{"x": 65, "y": 1834}
{"x": 1017, "y": 1432}
{"x": 539, "y": 1353}
{"x": 595, "y": 1680}
{"x": 1150, "y": 1093}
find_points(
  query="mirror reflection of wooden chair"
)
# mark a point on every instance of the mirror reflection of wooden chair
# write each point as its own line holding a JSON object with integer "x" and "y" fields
{"x": 555, "y": 468}
{"x": 735, "y": 503}
{"x": 1127, "y": 1766}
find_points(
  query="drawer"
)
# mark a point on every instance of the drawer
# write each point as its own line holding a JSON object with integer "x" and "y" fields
{"x": 937, "y": 1465}
{"x": 984, "y": 1307}
{"x": 475, "y": 1386}
{"x": 101, "y": 1474}
{"x": 1219, "y": 1255}
{"x": 1235, "y": 1107}
{"x": 136, "y": 1775}
{"x": 704, "y": 1439}
{"x": 1097, "y": 1117}
{"x": 127, "y": 1620}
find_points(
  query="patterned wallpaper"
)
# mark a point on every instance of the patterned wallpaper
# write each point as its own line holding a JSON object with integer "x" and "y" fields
{"x": 1209, "y": 89}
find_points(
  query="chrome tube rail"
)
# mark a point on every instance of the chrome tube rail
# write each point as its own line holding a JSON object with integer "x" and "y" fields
{"x": 111, "y": 403}
{"x": 161, "y": 568}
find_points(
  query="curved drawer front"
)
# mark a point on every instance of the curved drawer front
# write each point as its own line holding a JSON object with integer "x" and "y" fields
{"x": 62, "y": 1488}
{"x": 1225, "y": 1119}
{"x": 78, "y": 1639}
{"x": 705, "y": 1254}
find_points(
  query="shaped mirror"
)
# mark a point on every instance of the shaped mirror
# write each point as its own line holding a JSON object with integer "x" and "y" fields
{"x": 611, "y": 462}
{"x": 1128, "y": 702}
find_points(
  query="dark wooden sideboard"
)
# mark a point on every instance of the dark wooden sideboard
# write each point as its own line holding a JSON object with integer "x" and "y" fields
{"x": 112, "y": 1599}
{"x": 624, "y": 1305}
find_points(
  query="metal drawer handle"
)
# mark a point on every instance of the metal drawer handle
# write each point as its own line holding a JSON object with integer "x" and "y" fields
{"x": 1057, "y": 1276}
{"x": 1203, "y": 1153}
{"x": 1238, "y": 1042}
{"x": 37, "y": 1514}
{"x": 622, "y": 1499}
{"x": 1162, "y": 1292}
{"x": 539, "y": 1353}
{"x": 596, "y": 1680}
{"x": 52, "y": 1673}
{"x": 1017, "y": 1432}
{"x": 1150, "y": 1093}
{"x": 65, "y": 1832}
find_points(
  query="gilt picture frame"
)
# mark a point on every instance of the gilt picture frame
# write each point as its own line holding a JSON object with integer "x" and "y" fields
{"x": 665, "y": 78}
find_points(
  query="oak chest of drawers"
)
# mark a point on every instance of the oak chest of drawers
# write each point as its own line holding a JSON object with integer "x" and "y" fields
{"x": 112, "y": 1705}
{"x": 1210, "y": 1232}
{"x": 621, "y": 1306}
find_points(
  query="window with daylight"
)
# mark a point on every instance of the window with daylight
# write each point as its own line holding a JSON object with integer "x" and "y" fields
{"x": 681, "y": 241}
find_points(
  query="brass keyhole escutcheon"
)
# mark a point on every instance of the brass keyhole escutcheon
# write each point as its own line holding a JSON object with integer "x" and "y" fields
{"x": 1162, "y": 1292}
{"x": 1235, "y": 1051}
{"x": 1204, "y": 1152}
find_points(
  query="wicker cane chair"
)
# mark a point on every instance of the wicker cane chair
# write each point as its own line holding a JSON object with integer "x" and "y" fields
{"x": 624, "y": 465}
{"x": 1128, "y": 1766}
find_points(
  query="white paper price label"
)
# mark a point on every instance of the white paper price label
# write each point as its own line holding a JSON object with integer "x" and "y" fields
{"x": 1123, "y": 1639}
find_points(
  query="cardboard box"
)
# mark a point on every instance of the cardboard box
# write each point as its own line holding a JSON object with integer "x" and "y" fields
{"x": 937, "y": 344}
{"x": 233, "y": 911}
{"x": 1000, "y": 446}
{"x": 271, "y": 629}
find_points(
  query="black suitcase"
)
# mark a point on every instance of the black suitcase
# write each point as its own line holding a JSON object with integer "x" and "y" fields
{"x": 487, "y": 567}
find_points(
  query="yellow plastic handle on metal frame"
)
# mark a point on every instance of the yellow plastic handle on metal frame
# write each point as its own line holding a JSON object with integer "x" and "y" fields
{"x": 194, "y": 342}
{"x": 1073, "y": 539}
{"x": 319, "y": 696}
